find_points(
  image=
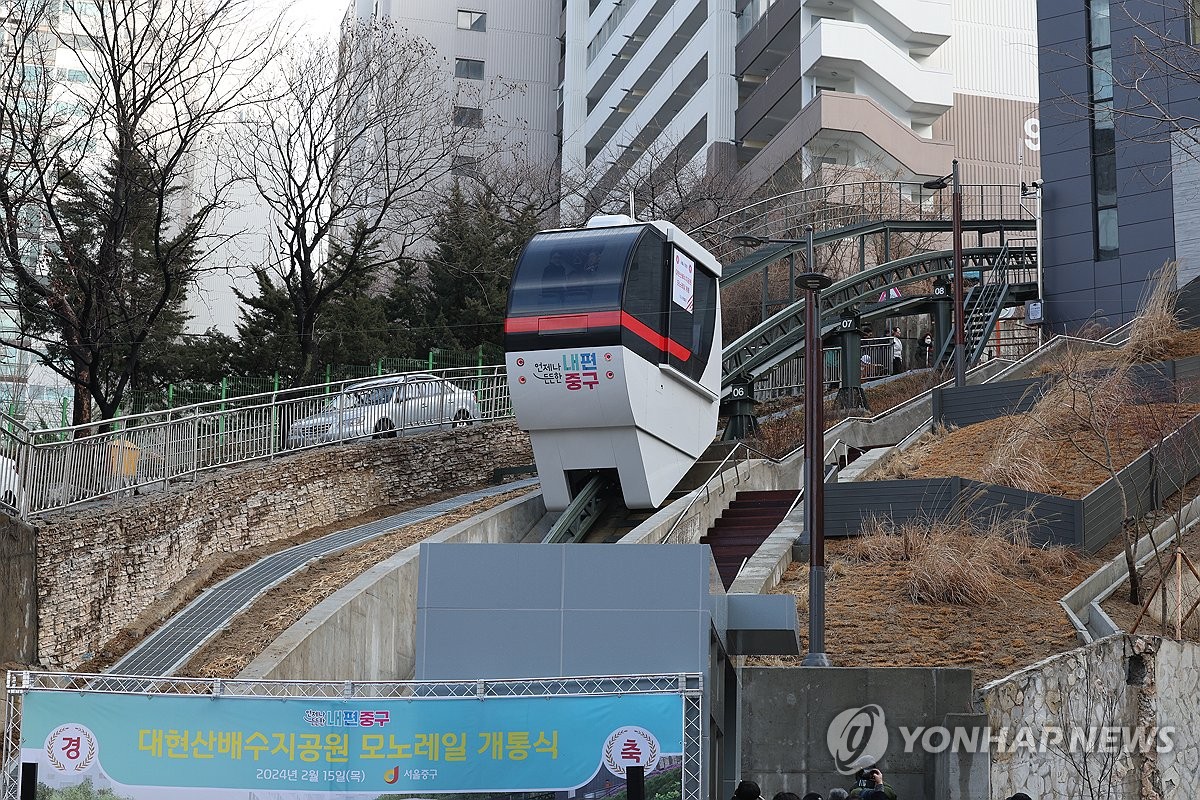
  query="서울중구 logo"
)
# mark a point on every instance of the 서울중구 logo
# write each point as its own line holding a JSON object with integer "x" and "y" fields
{"x": 71, "y": 748}
{"x": 630, "y": 747}
{"x": 857, "y": 738}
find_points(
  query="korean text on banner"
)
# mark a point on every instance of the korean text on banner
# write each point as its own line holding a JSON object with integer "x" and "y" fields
{"x": 162, "y": 746}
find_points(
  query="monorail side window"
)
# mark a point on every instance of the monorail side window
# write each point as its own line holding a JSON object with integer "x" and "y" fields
{"x": 692, "y": 315}
{"x": 645, "y": 294}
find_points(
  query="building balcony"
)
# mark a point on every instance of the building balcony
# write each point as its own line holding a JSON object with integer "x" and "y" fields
{"x": 924, "y": 25}
{"x": 835, "y": 51}
{"x": 858, "y": 119}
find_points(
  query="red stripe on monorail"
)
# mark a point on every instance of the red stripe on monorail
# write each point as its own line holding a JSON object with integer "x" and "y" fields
{"x": 597, "y": 319}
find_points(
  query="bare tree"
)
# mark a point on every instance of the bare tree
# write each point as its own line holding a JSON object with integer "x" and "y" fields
{"x": 666, "y": 182}
{"x": 351, "y": 155}
{"x": 105, "y": 106}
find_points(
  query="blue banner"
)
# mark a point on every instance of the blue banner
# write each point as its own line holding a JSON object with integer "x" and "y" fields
{"x": 229, "y": 746}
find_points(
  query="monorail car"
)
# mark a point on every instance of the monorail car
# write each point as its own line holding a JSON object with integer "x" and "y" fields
{"x": 613, "y": 348}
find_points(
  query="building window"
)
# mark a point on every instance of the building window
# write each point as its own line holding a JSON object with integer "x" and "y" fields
{"x": 1104, "y": 139}
{"x": 464, "y": 166}
{"x": 472, "y": 21}
{"x": 468, "y": 68}
{"x": 467, "y": 117}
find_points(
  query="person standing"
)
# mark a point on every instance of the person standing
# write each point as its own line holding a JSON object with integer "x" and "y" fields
{"x": 897, "y": 352}
{"x": 869, "y": 785}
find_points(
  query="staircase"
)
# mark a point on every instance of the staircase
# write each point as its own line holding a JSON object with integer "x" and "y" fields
{"x": 981, "y": 309}
{"x": 745, "y": 525}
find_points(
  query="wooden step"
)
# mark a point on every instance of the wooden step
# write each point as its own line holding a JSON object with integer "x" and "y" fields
{"x": 774, "y": 494}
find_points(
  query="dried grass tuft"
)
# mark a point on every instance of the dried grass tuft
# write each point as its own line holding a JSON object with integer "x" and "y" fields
{"x": 878, "y": 542}
{"x": 1157, "y": 324}
{"x": 960, "y": 563}
{"x": 1018, "y": 460}
{"x": 940, "y": 574}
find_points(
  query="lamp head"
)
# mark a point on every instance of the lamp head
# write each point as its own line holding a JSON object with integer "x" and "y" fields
{"x": 747, "y": 240}
{"x": 813, "y": 281}
{"x": 937, "y": 183}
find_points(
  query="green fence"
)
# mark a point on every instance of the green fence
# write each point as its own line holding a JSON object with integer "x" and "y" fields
{"x": 177, "y": 395}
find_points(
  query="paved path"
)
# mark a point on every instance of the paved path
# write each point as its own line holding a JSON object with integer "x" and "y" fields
{"x": 170, "y": 646}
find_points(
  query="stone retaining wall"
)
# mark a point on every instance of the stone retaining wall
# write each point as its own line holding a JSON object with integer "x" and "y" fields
{"x": 1123, "y": 682}
{"x": 101, "y": 565}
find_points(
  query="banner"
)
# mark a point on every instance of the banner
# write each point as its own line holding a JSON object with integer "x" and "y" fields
{"x": 201, "y": 746}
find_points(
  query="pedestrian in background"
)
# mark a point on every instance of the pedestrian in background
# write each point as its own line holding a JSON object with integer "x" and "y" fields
{"x": 897, "y": 352}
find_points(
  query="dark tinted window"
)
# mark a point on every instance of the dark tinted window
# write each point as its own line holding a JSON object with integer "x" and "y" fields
{"x": 467, "y": 117}
{"x": 468, "y": 68}
{"x": 646, "y": 283}
{"x": 692, "y": 328}
{"x": 570, "y": 272}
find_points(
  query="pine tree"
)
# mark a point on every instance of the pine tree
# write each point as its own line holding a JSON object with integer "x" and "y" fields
{"x": 117, "y": 286}
{"x": 478, "y": 240}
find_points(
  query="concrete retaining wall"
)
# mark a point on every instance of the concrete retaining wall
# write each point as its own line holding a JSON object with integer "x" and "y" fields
{"x": 101, "y": 565}
{"x": 785, "y": 715}
{"x": 366, "y": 631}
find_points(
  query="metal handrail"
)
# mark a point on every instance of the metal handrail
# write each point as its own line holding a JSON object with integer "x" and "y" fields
{"x": 845, "y": 209}
{"x": 59, "y": 468}
{"x": 719, "y": 471}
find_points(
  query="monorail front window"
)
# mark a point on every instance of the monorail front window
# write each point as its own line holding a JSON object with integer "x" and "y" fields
{"x": 571, "y": 272}
{"x": 632, "y": 287}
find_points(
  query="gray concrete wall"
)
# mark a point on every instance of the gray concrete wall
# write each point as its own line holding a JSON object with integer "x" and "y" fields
{"x": 786, "y": 713}
{"x": 538, "y": 611}
{"x": 18, "y": 592}
{"x": 367, "y": 630}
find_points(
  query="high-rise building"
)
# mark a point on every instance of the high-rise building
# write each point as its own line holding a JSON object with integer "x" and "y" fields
{"x": 895, "y": 87}
{"x": 503, "y": 56}
{"x": 1121, "y": 168}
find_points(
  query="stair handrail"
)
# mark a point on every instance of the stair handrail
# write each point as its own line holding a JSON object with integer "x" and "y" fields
{"x": 987, "y": 308}
{"x": 719, "y": 471}
{"x": 992, "y": 204}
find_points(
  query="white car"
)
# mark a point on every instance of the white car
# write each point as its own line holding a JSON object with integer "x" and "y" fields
{"x": 11, "y": 493}
{"x": 385, "y": 407}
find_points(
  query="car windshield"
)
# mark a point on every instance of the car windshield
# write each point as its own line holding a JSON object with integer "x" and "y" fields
{"x": 369, "y": 396}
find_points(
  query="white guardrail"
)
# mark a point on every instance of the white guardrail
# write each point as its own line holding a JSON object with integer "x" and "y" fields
{"x": 42, "y": 470}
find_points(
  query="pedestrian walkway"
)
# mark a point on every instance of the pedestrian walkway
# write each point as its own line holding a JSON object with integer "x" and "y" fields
{"x": 170, "y": 646}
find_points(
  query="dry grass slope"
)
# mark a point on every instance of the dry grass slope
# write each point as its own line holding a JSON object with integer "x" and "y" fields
{"x": 961, "y": 563}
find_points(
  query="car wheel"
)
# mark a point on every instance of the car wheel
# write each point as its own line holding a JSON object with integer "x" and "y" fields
{"x": 384, "y": 428}
{"x": 462, "y": 418}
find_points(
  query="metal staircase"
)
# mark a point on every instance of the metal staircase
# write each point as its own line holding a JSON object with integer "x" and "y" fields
{"x": 981, "y": 310}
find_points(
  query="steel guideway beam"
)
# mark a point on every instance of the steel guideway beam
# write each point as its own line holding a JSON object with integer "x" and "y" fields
{"x": 781, "y": 336}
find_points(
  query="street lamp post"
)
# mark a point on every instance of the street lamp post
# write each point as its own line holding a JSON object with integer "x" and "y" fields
{"x": 960, "y": 339}
{"x": 812, "y": 283}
